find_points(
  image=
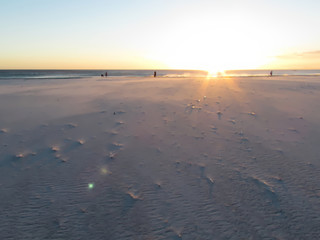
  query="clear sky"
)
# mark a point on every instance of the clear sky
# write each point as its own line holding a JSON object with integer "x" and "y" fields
{"x": 153, "y": 34}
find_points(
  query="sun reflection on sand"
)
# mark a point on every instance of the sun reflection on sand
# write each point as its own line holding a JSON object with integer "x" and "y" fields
{"x": 232, "y": 84}
{"x": 104, "y": 171}
{"x": 208, "y": 89}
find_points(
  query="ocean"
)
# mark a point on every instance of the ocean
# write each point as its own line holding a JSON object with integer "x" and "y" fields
{"x": 70, "y": 74}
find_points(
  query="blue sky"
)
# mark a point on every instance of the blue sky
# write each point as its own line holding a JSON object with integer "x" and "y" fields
{"x": 211, "y": 35}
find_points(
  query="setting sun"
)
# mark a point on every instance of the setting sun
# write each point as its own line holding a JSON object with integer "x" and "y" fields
{"x": 213, "y": 41}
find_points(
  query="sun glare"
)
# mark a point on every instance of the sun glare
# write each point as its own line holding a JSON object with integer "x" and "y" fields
{"x": 229, "y": 45}
{"x": 215, "y": 73}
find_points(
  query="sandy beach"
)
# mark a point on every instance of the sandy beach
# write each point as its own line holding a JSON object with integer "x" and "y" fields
{"x": 160, "y": 158}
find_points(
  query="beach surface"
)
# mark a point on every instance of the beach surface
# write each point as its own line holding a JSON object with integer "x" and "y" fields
{"x": 160, "y": 158}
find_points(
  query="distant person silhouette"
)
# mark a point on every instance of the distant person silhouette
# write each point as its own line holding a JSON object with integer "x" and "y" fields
{"x": 270, "y": 73}
{"x": 154, "y": 74}
{"x": 106, "y": 74}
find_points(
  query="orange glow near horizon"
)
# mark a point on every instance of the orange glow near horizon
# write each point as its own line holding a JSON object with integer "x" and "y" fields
{"x": 206, "y": 35}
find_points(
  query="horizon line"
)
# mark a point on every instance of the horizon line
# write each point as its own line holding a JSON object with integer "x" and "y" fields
{"x": 151, "y": 69}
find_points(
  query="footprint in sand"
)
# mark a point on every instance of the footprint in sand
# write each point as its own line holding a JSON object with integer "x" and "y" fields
{"x": 112, "y": 155}
{"x": 71, "y": 125}
{"x": 81, "y": 141}
{"x": 293, "y": 130}
{"x": 25, "y": 154}
{"x": 239, "y": 133}
{"x": 232, "y": 121}
{"x": 177, "y": 232}
{"x": 116, "y": 146}
{"x": 4, "y": 130}
{"x": 134, "y": 196}
{"x": 191, "y": 107}
{"x": 158, "y": 184}
{"x": 244, "y": 140}
{"x": 63, "y": 159}
{"x": 119, "y": 112}
{"x": 214, "y": 128}
{"x": 210, "y": 180}
{"x": 112, "y": 132}
{"x": 55, "y": 148}
{"x": 119, "y": 123}
{"x": 20, "y": 155}
{"x": 265, "y": 188}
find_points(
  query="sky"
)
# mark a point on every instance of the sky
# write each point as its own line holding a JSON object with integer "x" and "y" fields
{"x": 208, "y": 35}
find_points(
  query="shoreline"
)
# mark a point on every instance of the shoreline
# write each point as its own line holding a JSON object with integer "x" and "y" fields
{"x": 73, "y": 74}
